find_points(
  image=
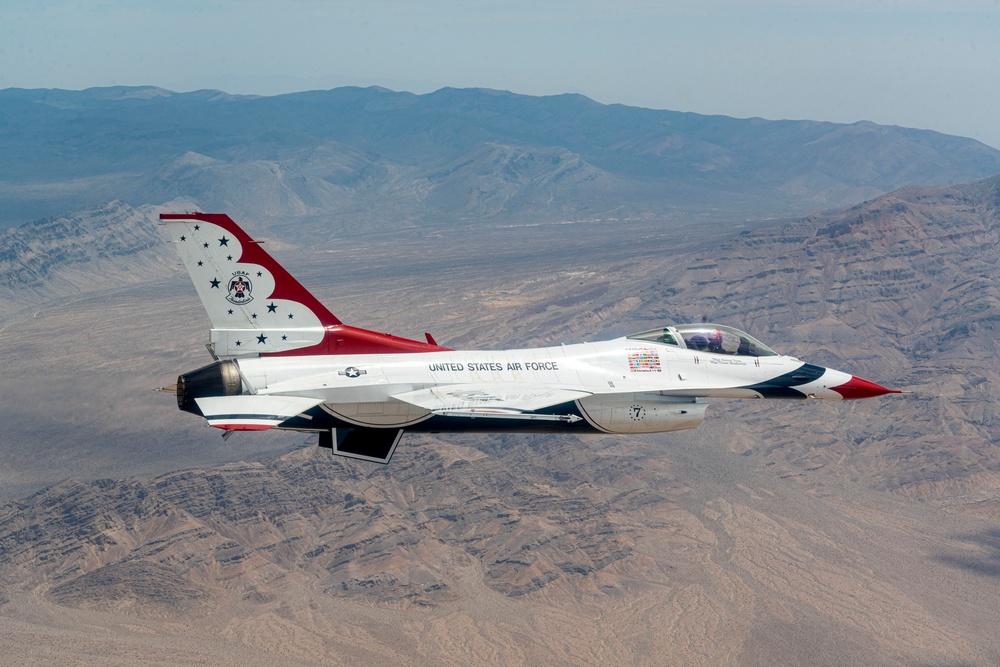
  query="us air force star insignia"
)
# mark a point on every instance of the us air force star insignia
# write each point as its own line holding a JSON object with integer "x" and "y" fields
{"x": 352, "y": 372}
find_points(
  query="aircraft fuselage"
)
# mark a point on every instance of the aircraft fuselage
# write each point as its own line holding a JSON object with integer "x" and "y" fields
{"x": 283, "y": 360}
{"x": 615, "y": 386}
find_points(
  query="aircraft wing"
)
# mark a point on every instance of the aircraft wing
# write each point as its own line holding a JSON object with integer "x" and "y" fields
{"x": 489, "y": 400}
{"x": 255, "y": 412}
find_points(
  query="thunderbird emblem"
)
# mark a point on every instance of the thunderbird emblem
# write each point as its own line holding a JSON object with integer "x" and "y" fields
{"x": 240, "y": 289}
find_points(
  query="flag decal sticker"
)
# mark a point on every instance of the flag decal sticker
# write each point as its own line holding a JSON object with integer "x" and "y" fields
{"x": 644, "y": 361}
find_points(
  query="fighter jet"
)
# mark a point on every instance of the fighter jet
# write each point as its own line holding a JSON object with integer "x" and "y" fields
{"x": 282, "y": 360}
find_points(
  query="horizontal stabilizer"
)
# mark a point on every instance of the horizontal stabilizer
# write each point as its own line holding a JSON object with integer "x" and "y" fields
{"x": 463, "y": 397}
{"x": 252, "y": 412}
{"x": 368, "y": 444}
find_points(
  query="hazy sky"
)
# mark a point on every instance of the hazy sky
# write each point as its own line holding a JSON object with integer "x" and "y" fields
{"x": 917, "y": 63}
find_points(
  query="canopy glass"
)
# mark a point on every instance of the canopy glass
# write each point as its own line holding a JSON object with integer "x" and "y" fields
{"x": 715, "y": 338}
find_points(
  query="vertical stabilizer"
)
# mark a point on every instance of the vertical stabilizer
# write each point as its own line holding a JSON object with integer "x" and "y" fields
{"x": 255, "y": 305}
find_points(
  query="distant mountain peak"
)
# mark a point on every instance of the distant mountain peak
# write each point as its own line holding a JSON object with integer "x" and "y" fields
{"x": 67, "y": 150}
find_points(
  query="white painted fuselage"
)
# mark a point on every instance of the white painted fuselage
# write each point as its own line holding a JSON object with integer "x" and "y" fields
{"x": 644, "y": 378}
{"x": 283, "y": 360}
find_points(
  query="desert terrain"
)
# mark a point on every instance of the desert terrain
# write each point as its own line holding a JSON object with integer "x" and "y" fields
{"x": 778, "y": 532}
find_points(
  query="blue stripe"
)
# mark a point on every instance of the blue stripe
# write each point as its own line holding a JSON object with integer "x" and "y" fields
{"x": 783, "y": 386}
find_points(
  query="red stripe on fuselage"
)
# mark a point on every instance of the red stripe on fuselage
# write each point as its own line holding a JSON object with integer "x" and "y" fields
{"x": 344, "y": 339}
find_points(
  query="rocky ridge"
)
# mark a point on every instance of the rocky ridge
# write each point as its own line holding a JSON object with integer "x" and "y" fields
{"x": 86, "y": 251}
{"x": 570, "y": 553}
{"x": 897, "y": 289}
{"x": 776, "y": 532}
{"x": 376, "y": 159}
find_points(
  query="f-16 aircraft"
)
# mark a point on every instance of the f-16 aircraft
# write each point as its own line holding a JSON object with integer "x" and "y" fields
{"x": 282, "y": 360}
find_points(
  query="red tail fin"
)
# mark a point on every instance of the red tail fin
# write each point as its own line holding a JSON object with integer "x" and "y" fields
{"x": 255, "y": 305}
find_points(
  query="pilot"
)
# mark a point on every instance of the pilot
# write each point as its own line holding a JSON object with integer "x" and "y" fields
{"x": 715, "y": 341}
{"x": 666, "y": 337}
{"x": 698, "y": 341}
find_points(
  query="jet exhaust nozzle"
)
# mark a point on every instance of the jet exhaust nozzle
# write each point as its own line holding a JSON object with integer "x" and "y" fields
{"x": 221, "y": 378}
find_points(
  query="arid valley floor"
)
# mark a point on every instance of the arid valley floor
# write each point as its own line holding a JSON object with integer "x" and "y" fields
{"x": 861, "y": 533}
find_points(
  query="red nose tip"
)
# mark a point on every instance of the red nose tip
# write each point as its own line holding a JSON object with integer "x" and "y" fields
{"x": 860, "y": 388}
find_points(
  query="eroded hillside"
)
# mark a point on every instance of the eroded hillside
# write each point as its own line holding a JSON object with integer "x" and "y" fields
{"x": 777, "y": 532}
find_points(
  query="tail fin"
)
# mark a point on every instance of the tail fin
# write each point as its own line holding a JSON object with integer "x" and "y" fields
{"x": 255, "y": 305}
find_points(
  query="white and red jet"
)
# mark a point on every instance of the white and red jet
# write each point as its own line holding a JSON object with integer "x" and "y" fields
{"x": 284, "y": 361}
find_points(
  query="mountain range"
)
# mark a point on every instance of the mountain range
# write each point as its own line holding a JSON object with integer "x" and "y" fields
{"x": 363, "y": 158}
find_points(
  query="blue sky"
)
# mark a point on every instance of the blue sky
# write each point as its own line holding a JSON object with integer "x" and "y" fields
{"x": 917, "y": 63}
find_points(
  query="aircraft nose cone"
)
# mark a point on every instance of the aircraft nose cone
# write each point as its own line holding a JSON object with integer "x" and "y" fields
{"x": 860, "y": 388}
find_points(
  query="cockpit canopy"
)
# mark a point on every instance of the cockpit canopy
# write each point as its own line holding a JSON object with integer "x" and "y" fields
{"x": 716, "y": 338}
